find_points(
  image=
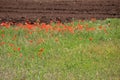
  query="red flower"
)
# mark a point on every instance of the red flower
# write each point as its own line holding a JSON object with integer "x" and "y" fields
{"x": 31, "y": 41}
{"x": 2, "y": 43}
{"x": 71, "y": 30}
{"x": 93, "y": 19}
{"x": 40, "y": 52}
{"x": 90, "y": 29}
{"x": 3, "y": 35}
{"x": 80, "y": 27}
{"x": 7, "y": 25}
{"x": 90, "y": 38}
{"x": 18, "y": 49}
{"x": 42, "y": 49}
{"x": 100, "y": 27}
{"x": 21, "y": 54}
{"x": 12, "y": 45}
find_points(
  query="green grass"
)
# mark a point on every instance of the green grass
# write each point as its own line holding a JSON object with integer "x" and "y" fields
{"x": 65, "y": 56}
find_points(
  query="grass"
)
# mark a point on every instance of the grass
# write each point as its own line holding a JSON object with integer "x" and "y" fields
{"x": 83, "y": 55}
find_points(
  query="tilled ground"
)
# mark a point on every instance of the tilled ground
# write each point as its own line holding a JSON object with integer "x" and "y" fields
{"x": 64, "y": 10}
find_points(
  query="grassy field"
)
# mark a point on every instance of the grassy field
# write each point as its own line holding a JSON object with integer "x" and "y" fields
{"x": 80, "y": 50}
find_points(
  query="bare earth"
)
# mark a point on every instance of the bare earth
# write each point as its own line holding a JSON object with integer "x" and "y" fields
{"x": 59, "y": 9}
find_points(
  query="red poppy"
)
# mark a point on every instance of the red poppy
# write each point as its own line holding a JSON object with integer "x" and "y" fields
{"x": 19, "y": 49}
{"x": 93, "y": 19}
{"x": 12, "y": 45}
{"x": 90, "y": 38}
{"x": 90, "y": 29}
{"x": 42, "y": 49}
{"x": 3, "y": 35}
{"x": 21, "y": 54}
{"x": 40, "y": 52}
{"x": 7, "y": 25}
{"x": 80, "y": 27}
{"x": 105, "y": 31}
{"x": 71, "y": 30}
{"x": 100, "y": 27}
{"x": 31, "y": 41}
{"x": 2, "y": 43}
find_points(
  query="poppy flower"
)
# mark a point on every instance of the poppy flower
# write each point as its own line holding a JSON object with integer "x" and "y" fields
{"x": 90, "y": 29}
{"x": 7, "y": 25}
{"x": 21, "y": 54}
{"x": 105, "y": 31}
{"x": 100, "y": 27}
{"x": 2, "y": 43}
{"x": 71, "y": 30}
{"x": 80, "y": 27}
{"x": 19, "y": 49}
{"x": 11, "y": 45}
{"x": 3, "y": 35}
{"x": 90, "y": 38}
{"x": 42, "y": 49}
{"x": 40, "y": 52}
{"x": 93, "y": 19}
{"x": 31, "y": 41}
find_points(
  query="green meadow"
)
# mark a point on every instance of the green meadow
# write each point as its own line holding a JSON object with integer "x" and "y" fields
{"x": 91, "y": 52}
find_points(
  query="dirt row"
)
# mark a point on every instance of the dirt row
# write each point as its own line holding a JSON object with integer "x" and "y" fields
{"x": 63, "y": 10}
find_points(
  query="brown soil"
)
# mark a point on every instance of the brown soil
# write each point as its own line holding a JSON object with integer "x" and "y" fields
{"x": 63, "y": 10}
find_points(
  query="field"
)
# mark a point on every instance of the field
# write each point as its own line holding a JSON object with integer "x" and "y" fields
{"x": 79, "y": 50}
{"x": 65, "y": 10}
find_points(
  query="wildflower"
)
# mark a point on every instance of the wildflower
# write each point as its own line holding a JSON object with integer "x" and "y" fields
{"x": 3, "y": 35}
{"x": 7, "y": 25}
{"x": 12, "y": 45}
{"x": 21, "y": 54}
{"x": 18, "y": 49}
{"x": 26, "y": 36}
{"x": 30, "y": 32}
{"x": 43, "y": 26}
{"x": 42, "y": 49}
{"x": 64, "y": 28}
{"x": 90, "y": 29}
{"x": 90, "y": 38}
{"x": 100, "y": 27}
{"x": 29, "y": 26}
{"x": 93, "y": 19}
{"x": 71, "y": 30}
{"x": 14, "y": 48}
{"x": 31, "y": 41}
{"x": 105, "y": 31}
{"x": 2, "y": 43}
{"x": 40, "y": 52}
{"x": 80, "y": 27}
